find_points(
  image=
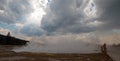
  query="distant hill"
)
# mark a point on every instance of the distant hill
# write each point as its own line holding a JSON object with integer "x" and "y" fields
{"x": 9, "y": 40}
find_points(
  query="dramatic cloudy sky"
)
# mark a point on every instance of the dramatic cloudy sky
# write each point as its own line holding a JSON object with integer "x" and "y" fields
{"x": 94, "y": 20}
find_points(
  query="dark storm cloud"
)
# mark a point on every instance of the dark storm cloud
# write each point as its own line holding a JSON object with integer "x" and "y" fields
{"x": 62, "y": 16}
{"x": 32, "y": 30}
{"x": 68, "y": 16}
{"x": 13, "y": 10}
{"x": 65, "y": 16}
{"x": 110, "y": 13}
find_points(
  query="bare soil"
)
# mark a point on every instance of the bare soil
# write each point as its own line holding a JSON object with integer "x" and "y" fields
{"x": 28, "y": 56}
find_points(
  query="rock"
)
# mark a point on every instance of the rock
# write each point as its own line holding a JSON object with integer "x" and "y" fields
{"x": 9, "y": 40}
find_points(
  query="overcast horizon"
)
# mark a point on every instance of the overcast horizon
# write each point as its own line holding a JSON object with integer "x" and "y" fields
{"x": 91, "y": 21}
{"x": 61, "y": 26}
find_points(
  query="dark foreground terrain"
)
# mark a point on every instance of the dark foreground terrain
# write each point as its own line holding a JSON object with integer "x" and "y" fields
{"x": 27, "y": 56}
{"x": 9, "y": 40}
